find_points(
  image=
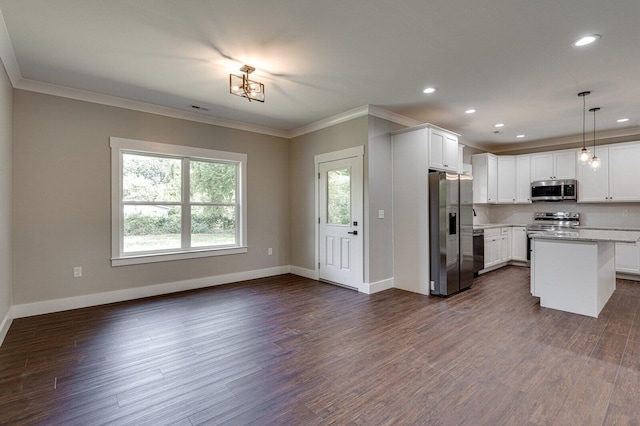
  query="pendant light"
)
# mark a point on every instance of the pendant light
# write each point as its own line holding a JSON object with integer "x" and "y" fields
{"x": 595, "y": 161}
{"x": 584, "y": 154}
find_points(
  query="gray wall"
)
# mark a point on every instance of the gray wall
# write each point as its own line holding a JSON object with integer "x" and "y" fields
{"x": 379, "y": 189}
{"x": 61, "y": 202}
{"x": 303, "y": 149}
{"x": 6, "y": 287}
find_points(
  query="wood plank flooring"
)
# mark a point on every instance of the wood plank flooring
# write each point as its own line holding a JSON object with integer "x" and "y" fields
{"x": 288, "y": 350}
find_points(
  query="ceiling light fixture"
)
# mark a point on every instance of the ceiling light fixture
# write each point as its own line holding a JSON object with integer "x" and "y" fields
{"x": 470, "y": 111}
{"x": 429, "y": 90}
{"x": 499, "y": 125}
{"x": 243, "y": 87}
{"x": 520, "y": 136}
{"x": 622, "y": 120}
{"x": 584, "y": 155}
{"x": 595, "y": 161}
{"x": 583, "y": 41}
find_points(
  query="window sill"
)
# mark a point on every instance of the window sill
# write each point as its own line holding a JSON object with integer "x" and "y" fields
{"x": 180, "y": 255}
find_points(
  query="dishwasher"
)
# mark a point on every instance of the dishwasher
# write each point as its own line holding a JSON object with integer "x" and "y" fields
{"x": 478, "y": 251}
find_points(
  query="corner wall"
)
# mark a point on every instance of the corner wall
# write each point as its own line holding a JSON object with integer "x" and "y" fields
{"x": 6, "y": 125}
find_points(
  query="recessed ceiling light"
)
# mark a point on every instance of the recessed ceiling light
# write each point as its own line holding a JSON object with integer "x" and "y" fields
{"x": 429, "y": 90}
{"x": 470, "y": 111}
{"x": 499, "y": 125}
{"x": 622, "y": 120}
{"x": 520, "y": 136}
{"x": 583, "y": 41}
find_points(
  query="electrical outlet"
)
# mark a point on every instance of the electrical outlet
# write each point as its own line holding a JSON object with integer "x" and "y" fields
{"x": 380, "y": 214}
{"x": 77, "y": 271}
{"x": 270, "y": 251}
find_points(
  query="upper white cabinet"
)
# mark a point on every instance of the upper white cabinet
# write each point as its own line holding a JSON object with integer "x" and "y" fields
{"x": 523, "y": 179}
{"x": 506, "y": 179}
{"x": 485, "y": 178}
{"x": 443, "y": 150}
{"x": 616, "y": 180}
{"x": 514, "y": 179}
{"x": 593, "y": 185}
{"x": 553, "y": 165}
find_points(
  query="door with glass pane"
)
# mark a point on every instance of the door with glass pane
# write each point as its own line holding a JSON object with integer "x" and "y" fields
{"x": 340, "y": 204}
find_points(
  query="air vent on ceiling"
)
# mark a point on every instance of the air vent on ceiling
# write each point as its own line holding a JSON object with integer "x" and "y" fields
{"x": 198, "y": 108}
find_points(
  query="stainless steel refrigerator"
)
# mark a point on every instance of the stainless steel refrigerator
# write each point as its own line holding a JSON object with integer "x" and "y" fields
{"x": 450, "y": 232}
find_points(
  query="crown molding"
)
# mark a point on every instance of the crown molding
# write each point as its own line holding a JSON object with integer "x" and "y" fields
{"x": 84, "y": 95}
{"x": 626, "y": 134}
{"x": 361, "y": 111}
{"x": 7, "y": 55}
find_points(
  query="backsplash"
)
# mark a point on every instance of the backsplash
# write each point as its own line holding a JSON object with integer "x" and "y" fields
{"x": 611, "y": 215}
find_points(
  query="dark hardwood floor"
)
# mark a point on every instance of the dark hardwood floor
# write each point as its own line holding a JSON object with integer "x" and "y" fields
{"x": 288, "y": 350}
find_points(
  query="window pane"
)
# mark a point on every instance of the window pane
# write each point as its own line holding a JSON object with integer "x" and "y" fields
{"x": 213, "y": 182}
{"x": 154, "y": 227}
{"x": 148, "y": 178}
{"x": 339, "y": 197}
{"x": 213, "y": 225}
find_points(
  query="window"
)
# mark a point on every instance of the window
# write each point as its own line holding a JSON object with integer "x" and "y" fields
{"x": 172, "y": 202}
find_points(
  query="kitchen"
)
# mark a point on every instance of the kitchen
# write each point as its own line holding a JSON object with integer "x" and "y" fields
{"x": 517, "y": 197}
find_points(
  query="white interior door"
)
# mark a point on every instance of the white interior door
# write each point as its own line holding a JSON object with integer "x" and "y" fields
{"x": 340, "y": 225}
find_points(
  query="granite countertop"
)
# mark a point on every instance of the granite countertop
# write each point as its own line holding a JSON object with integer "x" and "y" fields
{"x": 496, "y": 225}
{"x": 592, "y": 235}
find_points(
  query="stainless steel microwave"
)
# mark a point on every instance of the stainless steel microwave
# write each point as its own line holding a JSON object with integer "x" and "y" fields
{"x": 554, "y": 190}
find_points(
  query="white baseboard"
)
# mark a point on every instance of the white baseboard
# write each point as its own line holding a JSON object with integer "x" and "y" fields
{"x": 370, "y": 288}
{"x": 5, "y": 324}
{"x": 304, "y": 272}
{"x": 48, "y": 306}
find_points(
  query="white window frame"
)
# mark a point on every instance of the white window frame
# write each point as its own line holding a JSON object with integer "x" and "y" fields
{"x": 120, "y": 146}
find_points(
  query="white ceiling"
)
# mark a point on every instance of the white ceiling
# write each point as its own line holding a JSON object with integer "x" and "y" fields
{"x": 511, "y": 60}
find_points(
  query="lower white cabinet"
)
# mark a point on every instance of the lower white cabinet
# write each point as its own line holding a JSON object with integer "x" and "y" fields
{"x": 496, "y": 246}
{"x": 519, "y": 243}
{"x": 628, "y": 258}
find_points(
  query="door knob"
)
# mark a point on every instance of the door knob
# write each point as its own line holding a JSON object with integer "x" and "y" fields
{"x": 353, "y": 233}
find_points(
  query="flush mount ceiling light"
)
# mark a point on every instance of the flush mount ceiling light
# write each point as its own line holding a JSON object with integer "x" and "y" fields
{"x": 520, "y": 136}
{"x": 583, "y": 41}
{"x": 622, "y": 120}
{"x": 470, "y": 111}
{"x": 242, "y": 86}
{"x": 499, "y": 125}
{"x": 429, "y": 90}
{"x": 584, "y": 155}
{"x": 595, "y": 161}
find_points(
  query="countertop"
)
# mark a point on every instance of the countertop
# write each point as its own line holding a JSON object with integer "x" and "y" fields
{"x": 592, "y": 235}
{"x": 497, "y": 225}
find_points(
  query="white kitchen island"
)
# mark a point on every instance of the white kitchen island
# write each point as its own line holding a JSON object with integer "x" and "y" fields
{"x": 575, "y": 271}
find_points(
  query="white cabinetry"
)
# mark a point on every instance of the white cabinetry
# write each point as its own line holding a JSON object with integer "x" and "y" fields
{"x": 443, "y": 150}
{"x": 628, "y": 258}
{"x": 506, "y": 179}
{"x": 505, "y": 244}
{"x": 485, "y": 178}
{"x": 519, "y": 243}
{"x": 523, "y": 179}
{"x": 497, "y": 246}
{"x": 491, "y": 250}
{"x": 553, "y": 165}
{"x": 617, "y": 178}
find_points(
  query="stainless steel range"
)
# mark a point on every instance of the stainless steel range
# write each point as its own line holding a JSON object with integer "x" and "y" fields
{"x": 554, "y": 222}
